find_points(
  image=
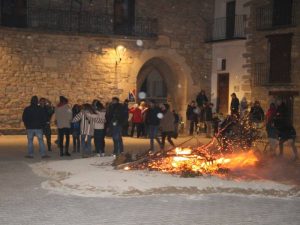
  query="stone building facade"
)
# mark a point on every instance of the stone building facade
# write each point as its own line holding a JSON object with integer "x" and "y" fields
{"x": 273, "y": 54}
{"x": 52, "y": 58}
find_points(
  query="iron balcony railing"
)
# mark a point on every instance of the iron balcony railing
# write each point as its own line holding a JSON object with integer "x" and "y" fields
{"x": 85, "y": 22}
{"x": 263, "y": 77}
{"x": 267, "y": 18}
{"x": 227, "y": 28}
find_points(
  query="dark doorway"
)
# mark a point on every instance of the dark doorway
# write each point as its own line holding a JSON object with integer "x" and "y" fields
{"x": 155, "y": 87}
{"x": 124, "y": 16}
{"x": 230, "y": 19}
{"x": 280, "y": 58}
{"x": 282, "y": 12}
{"x": 223, "y": 93}
{"x": 14, "y": 13}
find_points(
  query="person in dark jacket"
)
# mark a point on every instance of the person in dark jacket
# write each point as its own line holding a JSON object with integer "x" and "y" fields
{"x": 192, "y": 116}
{"x": 126, "y": 117}
{"x": 115, "y": 119}
{"x": 257, "y": 114}
{"x": 287, "y": 133}
{"x": 234, "y": 105}
{"x": 201, "y": 99}
{"x": 152, "y": 121}
{"x": 208, "y": 117}
{"x": 34, "y": 119}
{"x": 46, "y": 105}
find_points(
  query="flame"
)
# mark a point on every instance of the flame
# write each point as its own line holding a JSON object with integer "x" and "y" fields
{"x": 198, "y": 161}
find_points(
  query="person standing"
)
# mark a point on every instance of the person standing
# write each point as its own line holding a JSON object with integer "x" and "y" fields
{"x": 167, "y": 125}
{"x": 86, "y": 129}
{"x": 257, "y": 114}
{"x": 75, "y": 129}
{"x": 63, "y": 115}
{"x": 234, "y": 105}
{"x": 137, "y": 120}
{"x": 272, "y": 132}
{"x": 99, "y": 130}
{"x": 208, "y": 117}
{"x": 152, "y": 122}
{"x": 115, "y": 120}
{"x": 34, "y": 119}
{"x": 201, "y": 99}
{"x": 244, "y": 106}
{"x": 49, "y": 111}
{"x": 126, "y": 117}
{"x": 192, "y": 116}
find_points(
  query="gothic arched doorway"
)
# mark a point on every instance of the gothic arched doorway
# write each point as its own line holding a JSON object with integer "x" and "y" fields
{"x": 158, "y": 81}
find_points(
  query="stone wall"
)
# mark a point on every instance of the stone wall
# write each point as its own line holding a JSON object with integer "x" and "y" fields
{"x": 83, "y": 67}
{"x": 258, "y": 52}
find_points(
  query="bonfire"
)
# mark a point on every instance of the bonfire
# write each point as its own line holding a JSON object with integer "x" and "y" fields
{"x": 230, "y": 148}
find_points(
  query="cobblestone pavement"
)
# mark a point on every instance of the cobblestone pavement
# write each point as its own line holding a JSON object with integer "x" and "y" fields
{"x": 23, "y": 201}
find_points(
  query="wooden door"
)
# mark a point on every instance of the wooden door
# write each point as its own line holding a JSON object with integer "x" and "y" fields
{"x": 230, "y": 19}
{"x": 223, "y": 93}
{"x": 280, "y": 58}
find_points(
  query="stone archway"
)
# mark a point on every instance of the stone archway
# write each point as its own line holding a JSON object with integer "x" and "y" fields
{"x": 174, "y": 70}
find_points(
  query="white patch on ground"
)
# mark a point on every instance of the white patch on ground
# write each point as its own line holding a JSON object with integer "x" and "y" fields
{"x": 95, "y": 177}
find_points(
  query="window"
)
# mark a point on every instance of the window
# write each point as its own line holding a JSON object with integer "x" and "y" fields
{"x": 124, "y": 16}
{"x": 280, "y": 58}
{"x": 14, "y": 13}
{"x": 282, "y": 12}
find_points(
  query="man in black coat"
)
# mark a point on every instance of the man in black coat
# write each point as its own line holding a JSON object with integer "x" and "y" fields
{"x": 34, "y": 119}
{"x": 116, "y": 119}
{"x": 235, "y": 104}
{"x": 152, "y": 121}
{"x": 46, "y": 105}
{"x": 192, "y": 116}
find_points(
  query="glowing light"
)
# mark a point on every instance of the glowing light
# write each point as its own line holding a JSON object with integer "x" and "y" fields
{"x": 142, "y": 95}
{"x": 139, "y": 43}
{"x": 160, "y": 115}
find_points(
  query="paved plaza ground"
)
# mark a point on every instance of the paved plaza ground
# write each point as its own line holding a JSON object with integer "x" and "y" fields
{"x": 23, "y": 200}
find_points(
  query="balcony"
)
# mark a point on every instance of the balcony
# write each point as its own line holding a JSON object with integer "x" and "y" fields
{"x": 83, "y": 22}
{"x": 262, "y": 76}
{"x": 228, "y": 28}
{"x": 268, "y": 18}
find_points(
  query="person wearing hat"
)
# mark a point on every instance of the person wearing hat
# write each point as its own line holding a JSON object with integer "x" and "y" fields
{"x": 63, "y": 115}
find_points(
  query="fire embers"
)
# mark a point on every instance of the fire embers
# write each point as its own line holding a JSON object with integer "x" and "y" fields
{"x": 189, "y": 162}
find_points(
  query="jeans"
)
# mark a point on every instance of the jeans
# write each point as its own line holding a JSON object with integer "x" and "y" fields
{"x": 153, "y": 130}
{"x": 61, "y": 133}
{"x": 39, "y": 134}
{"x": 117, "y": 139}
{"x": 76, "y": 142}
{"x": 86, "y": 144}
{"x": 99, "y": 135}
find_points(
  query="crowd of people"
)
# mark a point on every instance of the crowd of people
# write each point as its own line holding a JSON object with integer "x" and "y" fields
{"x": 94, "y": 121}
{"x": 279, "y": 127}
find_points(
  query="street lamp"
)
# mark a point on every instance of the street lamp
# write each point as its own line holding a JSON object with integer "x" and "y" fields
{"x": 120, "y": 51}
